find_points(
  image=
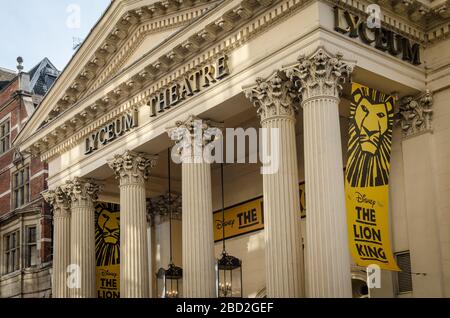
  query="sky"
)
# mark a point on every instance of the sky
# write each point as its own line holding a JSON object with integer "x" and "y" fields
{"x": 35, "y": 29}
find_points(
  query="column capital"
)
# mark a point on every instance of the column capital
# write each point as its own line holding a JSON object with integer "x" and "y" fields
{"x": 319, "y": 75}
{"x": 273, "y": 97}
{"x": 59, "y": 200}
{"x": 81, "y": 190}
{"x": 159, "y": 206}
{"x": 192, "y": 126}
{"x": 415, "y": 114}
{"x": 132, "y": 167}
{"x": 192, "y": 135}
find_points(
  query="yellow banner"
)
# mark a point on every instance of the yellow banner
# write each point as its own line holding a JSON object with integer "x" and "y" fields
{"x": 367, "y": 177}
{"x": 241, "y": 219}
{"x": 107, "y": 246}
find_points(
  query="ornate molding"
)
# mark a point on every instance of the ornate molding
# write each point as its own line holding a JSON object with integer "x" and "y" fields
{"x": 108, "y": 57}
{"x": 273, "y": 97}
{"x": 170, "y": 68}
{"x": 81, "y": 191}
{"x": 132, "y": 167}
{"x": 59, "y": 200}
{"x": 135, "y": 39}
{"x": 159, "y": 206}
{"x": 319, "y": 75}
{"x": 192, "y": 135}
{"x": 416, "y": 113}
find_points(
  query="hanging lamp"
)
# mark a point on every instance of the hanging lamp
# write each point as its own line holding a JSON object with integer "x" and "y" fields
{"x": 229, "y": 268}
{"x": 170, "y": 280}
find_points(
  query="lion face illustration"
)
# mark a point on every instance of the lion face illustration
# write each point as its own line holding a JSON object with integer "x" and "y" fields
{"x": 371, "y": 121}
{"x": 109, "y": 223}
{"x": 107, "y": 234}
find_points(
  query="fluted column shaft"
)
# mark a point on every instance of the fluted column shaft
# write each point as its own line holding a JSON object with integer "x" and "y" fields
{"x": 199, "y": 276}
{"x": 284, "y": 255}
{"x": 61, "y": 253}
{"x": 132, "y": 170}
{"x": 61, "y": 241}
{"x": 134, "y": 279}
{"x": 197, "y": 232}
{"x": 274, "y": 98}
{"x": 328, "y": 263}
{"x": 318, "y": 79}
{"x": 82, "y": 232}
{"x": 83, "y": 195}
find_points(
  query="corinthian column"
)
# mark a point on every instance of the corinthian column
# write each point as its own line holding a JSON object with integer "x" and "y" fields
{"x": 61, "y": 240}
{"x": 328, "y": 262}
{"x": 274, "y": 99}
{"x": 83, "y": 194}
{"x": 132, "y": 170}
{"x": 199, "y": 279}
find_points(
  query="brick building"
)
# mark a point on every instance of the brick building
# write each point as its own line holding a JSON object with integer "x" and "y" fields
{"x": 25, "y": 219}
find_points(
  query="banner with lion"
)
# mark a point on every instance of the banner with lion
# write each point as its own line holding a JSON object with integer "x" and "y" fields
{"x": 107, "y": 249}
{"x": 367, "y": 177}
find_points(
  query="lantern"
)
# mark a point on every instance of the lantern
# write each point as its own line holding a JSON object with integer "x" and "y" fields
{"x": 229, "y": 268}
{"x": 173, "y": 282}
{"x": 170, "y": 280}
{"x": 229, "y": 276}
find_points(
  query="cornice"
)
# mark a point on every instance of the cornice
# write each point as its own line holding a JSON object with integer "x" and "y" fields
{"x": 108, "y": 58}
{"x": 138, "y": 35}
{"x": 215, "y": 39}
{"x": 227, "y": 27}
{"x": 101, "y": 47}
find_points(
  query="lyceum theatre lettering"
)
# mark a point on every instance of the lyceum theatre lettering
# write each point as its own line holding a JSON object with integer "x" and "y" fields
{"x": 111, "y": 131}
{"x": 383, "y": 39}
{"x": 188, "y": 86}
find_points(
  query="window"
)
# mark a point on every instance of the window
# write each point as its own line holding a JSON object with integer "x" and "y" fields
{"x": 21, "y": 187}
{"x": 404, "y": 280}
{"x": 12, "y": 252}
{"x": 4, "y": 137}
{"x": 31, "y": 247}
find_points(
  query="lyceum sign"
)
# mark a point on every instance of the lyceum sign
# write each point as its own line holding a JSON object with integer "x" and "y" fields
{"x": 111, "y": 131}
{"x": 383, "y": 39}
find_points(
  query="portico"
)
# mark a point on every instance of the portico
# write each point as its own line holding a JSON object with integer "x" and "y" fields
{"x": 252, "y": 64}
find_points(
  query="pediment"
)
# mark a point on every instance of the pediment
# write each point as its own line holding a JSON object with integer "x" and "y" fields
{"x": 127, "y": 30}
{"x": 142, "y": 41}
{"x": 139, "y": 31}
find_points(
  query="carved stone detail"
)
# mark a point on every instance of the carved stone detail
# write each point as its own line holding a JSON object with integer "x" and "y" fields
{"x": 193, "y": 134}
{"x": 59, "y": 200}
{"x": 416, "y": 113}
{"x": 159, "y": 206}
{"x": 319, "y": 75}
{"x": 132, "y": 167}
{"x": 82, "y": 190}
{"x": 273, "y": 97}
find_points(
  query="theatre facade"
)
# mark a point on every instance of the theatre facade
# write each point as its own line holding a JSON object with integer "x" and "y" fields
{"x": 303, "y": 68}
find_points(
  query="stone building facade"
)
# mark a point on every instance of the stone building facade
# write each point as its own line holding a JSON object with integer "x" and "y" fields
{"x": 156, "y": 65}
